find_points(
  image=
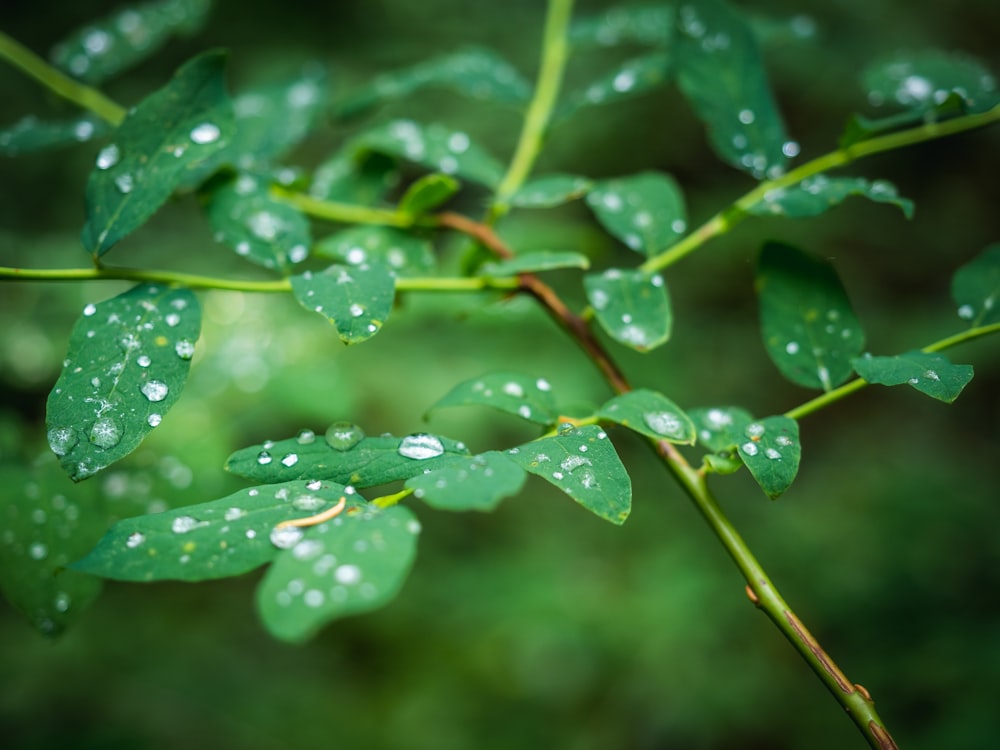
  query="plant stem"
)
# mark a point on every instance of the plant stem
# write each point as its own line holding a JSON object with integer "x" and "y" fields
{"x": 58, "y": 82}
{"x": 348, "y": 213}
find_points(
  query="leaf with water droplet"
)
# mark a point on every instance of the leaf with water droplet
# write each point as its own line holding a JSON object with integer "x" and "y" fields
{"x": 975, "y": 287}
{"x": 217, "y": 539}
{"x": 368, "y": 462}
{"x": 721, "y": 71}
{"x": 122, "y": 366}
{"x": 922, "y": 81}
{"x": 427, "y": 193}
{"x": 645, "y": 211}
{"x": 543, "y": 260}
{"x": 633, "y": 307}
{"x": 809, "y": 329}
{"x": 356, "y": 299}
{"x": 349, "y": 178}
{"x": 550, "y": 190}
{"x": 932, "y": 374}
{"x": 624, "y": 24}
{"x": 353, "y": 564}
{"x": 405, "y": 253}
{"x": 524, "y": 396}
{"x": 633, "y": 77}
{"x": 170, "y": 137}
{"x": 650, "y": 413}
{"x": 583, "y": 464}
{"x": 469, "y": 483}
{"x": 771, "y": 450}
{"x": 816, "y": 195}
{"x": 105, "y": 47}
{"x": 719, "y": 429}
{"x": 29, "y": 134}
{"x": 265, "y": 231}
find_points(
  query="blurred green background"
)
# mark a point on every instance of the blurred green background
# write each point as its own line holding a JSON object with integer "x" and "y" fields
{"x": 538, "y": 625}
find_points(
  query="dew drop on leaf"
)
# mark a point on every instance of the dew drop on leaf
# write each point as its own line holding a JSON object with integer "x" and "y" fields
{"x": 264, "y": 458}
{"x": 154, "y": 390}
{"x": 108, "y": 157}
{"x": 286, "y": 537}
{"x": 183, "y": 524}
{"x": 305, "y": 437}
{"x": 420, "y": 446}
{"x": 206, "y": 132}
{"x": 38, "y": 551}
{"x": 106, "y": 433}
{"x": 343, "y": 436}
{"x": 749, "y": 448}
{"x": 347, "y": 574}
{"x": 134, "y": 540}
{"x": 663, "y": 423}
{"x": 289, "y": 459}
{"x": 62, "y": 440}
{"x": 153, "y": 420}
{"x": 143, "y": 361}
{"x": 184, "y": 349}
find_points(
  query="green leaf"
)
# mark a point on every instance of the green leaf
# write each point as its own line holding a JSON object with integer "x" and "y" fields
{"x": 719, "y": 429}
{"x": 354, "y": 564}
{"x": 771, "y": 450}
{"x": 809, "y": 329}
{"x": 815, "y": 195}
{"x": 630, "y": 78}
{"x": 650, "y": 413}
{"x": 932, "y": 374}
{"x": 169, "y": 138}
{"x": 427, "y": 193}
{"x": 217, "y": 539}
{"x": 31, "y": 134}
{"x": 434, "y": 146}
{"x": 514, "y": 393}
{"x": 356, "y": 299}
{"x": 127, "y": 363}
{"x": 924, "y": 80}
{"x": 265, "y": 231}
{"x": 405, "y": 253}
{"x": 345, "y": 456}
{"x": 476, "y": 72}
{"x": 632, "y": 307}
{"x": 623, "y": 24}
{"x": 535, "y": 262}
{"x": 975, "y": 288}
{"x": 469, "y": 483}
{"x": 550, "y": 190}
{"x": 861, "y": 128}
{"x": 362, "y": 179}
{"x": 645, "y": 211}
{"x": 721, "y": 72}
{"x": 128, "y": 36}
{"x": 583, "y": 464}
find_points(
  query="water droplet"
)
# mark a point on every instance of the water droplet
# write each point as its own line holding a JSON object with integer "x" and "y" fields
{"x": 234, "y": 513}
{"x": 263, "y": 458}
{"x": 184, "y": 349}
{"x": 664, "y": 423}
{"x": 513, "y": 389}
{"x": 143, "y": 361}
{"x": 183, "y": 524}
{"x": 305, "y": 437}
{"x": 966, "y": 312}
{"x": 343, "y": 436}
{"x": 206, "y": 132}
{"x": 307, "y": 549}
{"x": 290, "y": 459}
{"x": 347, "y": 574}
{"x": 286, "y": 537}
{"x": 135, "y": 539}
{"x": 783, "y": 440}
{"x": 62, "y": 601}
{"x": 749, "y": 448}
{"x": 458, "y": 142}
{"x": 125, "y": 182}
{"x": 772, "y": 454}
{"x": 89, "y": 310}
{"x": 755, "y": 429}
{"x": 543, "y": 385}
{"x": 746, "y": 116}
{"x": 108, "y": 157}
{"x": 62, "y": 440}
{"x": 153, "y": 420}
{"x": 106, "y": 433}
{"x": 357, "y": 310}
{"x": 316, "y": 484}
{"x": 931, "y": 375}
{"x": 623, "y": 81}
{"x": 792, "y": 347}
{"x": 524, "y": 411}
{"x": 38, "y": 551}
{"x": 172, "y": 319}
{"x": 790, "y": 149}
{"x": 313, "y": 598}
{"x": 420, "y": 446}
{"x": 564, "y": 428}
{"x": 298, "y": 253}
{"x": 154, "y": 390}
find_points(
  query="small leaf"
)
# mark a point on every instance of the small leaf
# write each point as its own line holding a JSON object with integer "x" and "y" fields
{"x": 404, "y": 253}
{"x": 645, "y": 211}
{"x": 435, "y": 147}
{"x": 861, "y": 128}
{"x": 771, "y": 450}
{"x": 353, "y": 564}
{"x": 427, "y": 193}
{"x": 346, "y": 456}
{"x": 650, "y": 413}
{"x": 622, "y": 24}
{"x": 817, "y": 194}
{"x": 720, "y": 429}
{"x": 522, "y": 395}
{"x": 217, "y": 539}
{"x": 30, "y": 134}
{"x": 583, "y": 464}
{"x": 364, "y": 179}
{"x": 630, "y": 78}
{"x": 535, "y": 262}
{"x": 356, "y": 299}
{"x": 127, "y": 363}
{"x": 632, "y": 307}
{"x": 265, "y": 231}
{"x": 809, "y": 329}
{"x": 119, "y": 41}
{"x": 550, "y": 190}
{"x": 469, "y": 483}
{"x": 169, "y": 138}
{"x": 932, "y": 374}
{"x": 721, "y": 72}
{"x": 975, "y": 288}
{"x": 924, "y": 80}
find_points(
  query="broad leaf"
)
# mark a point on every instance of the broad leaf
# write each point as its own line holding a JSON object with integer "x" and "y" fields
{"x": 721, "y": 72}
{"x": 353, "y": 564}
{"x": 349, "y": 178}
{"x": 975, "y": 288}
{"x": 127, "y": 363}
{"x": 583, "y": 464}
{"x": 427, "y": 193}
{"x": 550, "y": 190}
{"x": 630, "y": 78}
{"x": 650, "y": 413}
{"x": 31, "y": 134}
{"x": 624, "y": 24}
{"x": 469, "y": 483}
{"x": 719, "y": 430}
{"x": 356, "y": 299}
{"x": 119, "y": 41}
{"x": 645, "y": 211}
{"x": 925, "y": 80}
{"x": 809, "y": 329}
{"x": 632, "y": 307}
{"x": 346, "y": 456}
{"x": 818, "y": 194}
{"x": 535, "y": 262}
{"x": 771, "y": 450}
{"x": 265, "y": 231}
{"x": 522, "y": 395}
{"x": 406, "y": 254}
{"x": 217, "y": 539}
{"x": 171, "y": 137}
{"x": 932, "y": 374}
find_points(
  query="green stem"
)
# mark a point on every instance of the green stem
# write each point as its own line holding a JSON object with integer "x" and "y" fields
{"x": 58, "y": 82}
{"x": 347, "y": 213}
{"x": 555, "y": 50}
